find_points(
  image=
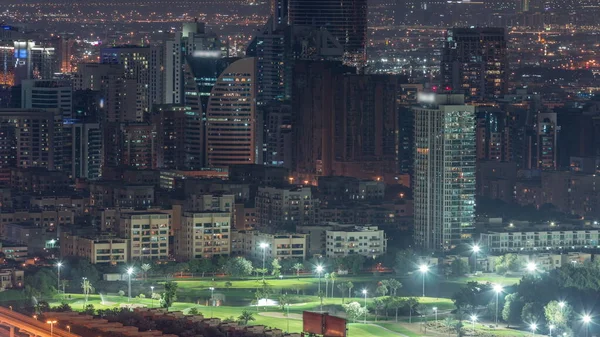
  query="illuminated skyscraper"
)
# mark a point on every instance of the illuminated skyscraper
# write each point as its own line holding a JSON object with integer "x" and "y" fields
{"x": 346, "y": 20}
{"x": 475, "y": 62}
{"x": 232, "y": 124}
{"x": 444, "y": 183}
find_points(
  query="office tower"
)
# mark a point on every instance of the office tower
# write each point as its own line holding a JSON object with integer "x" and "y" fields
{"x": 279, "y": 10}
{"x": 36, "y": 137}
{"x": 233, "y": 129}
{"x": 272, "y": 63}
{"x": 346, "y": 20}
{"x": 194, "y": 40}
{"x": 492, "y": 134}
{"x": 179, "y": 137}
{"x": 546, "y": 141}
{"x": 475, "y": 62}
{"x": 138, "y": 146}
{"x": 44, "y": 63}
{"x": 204, "y": 235}
{"x": 345, "y": 124}
{"x": 48, "y": 94}
{"x": 406, "y": 134}
{"x": 88, "y": 105}
{"x": 444, "y": 183}
{"x": 65, "y": 54}
{"x": 277, "y": 135}
{"x": 144, "y": 66}
{"x": 116, "y": 90}
{"x": 86, "y": 150}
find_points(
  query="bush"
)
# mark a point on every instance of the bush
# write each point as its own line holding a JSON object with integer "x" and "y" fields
{"x": 121, "y": 293}
{"x": 141, "y": 296}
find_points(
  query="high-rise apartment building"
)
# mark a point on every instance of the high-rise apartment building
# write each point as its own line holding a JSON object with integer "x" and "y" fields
{"x": 179, "y": 137}
{"x": 444, "y": 183}
{"x": 285, "y": 208}
{"x": 144, "y": 67}
{"x": 547, "y": 130}
{"x": 148, "y": 235}
{"x": 233, "y": 134}
{"x": 193, "y": 40}
{"x": 35, "y": 136}
{"x": 346, "y": 20}
{"x": 475, "y": 62}
{"x": 86, "y": 150}
{"x": 48, "y": 94}
{"x": 138, "y": 146}
{"x": 204, "y": 235}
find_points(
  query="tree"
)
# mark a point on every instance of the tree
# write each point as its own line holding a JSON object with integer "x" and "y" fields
{"x": 121, "y": 293}
{"x": 89, "y": 310}
{"x": 275, "y": 268}
{"x": 82, "y": 268}
{"x": 245, "y": 317}
{"x": 228, "y": 284}
{"x": 377, "y": 305}
{"x": 513, "y": 306}
{"x": 395, "y": 303}
{"x": 283, "y": 300}
{"x": 349, "y": 285}
{"x": 193, "y": 311}
{"x": 41, "y": 284}
{"x": 170, "y": 295}
{"x": 459, "y": 267}
{"x": 343, "y": 287}
{"x": 381, "y": 290}
{"x": 87, "y": 288}
{"x": 145, "y": 268}
{"x": 404, "y": 262}
{"x": 354, "y": 310}
{"x": 238, "y": 267}
{"x": 332, "y": 277}
{"x": 532, "y": 312}
{"x": 557, "y": 315}
{"x": 298, "y": 267}
{"x": 201, "y": 266}
{"x": 393, "y": 285}
{"x": 354, "y": 263}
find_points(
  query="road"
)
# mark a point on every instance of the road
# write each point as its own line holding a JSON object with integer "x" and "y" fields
{"x": 28, "y": 325}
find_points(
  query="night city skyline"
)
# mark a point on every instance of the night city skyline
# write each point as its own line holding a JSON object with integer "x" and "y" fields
{"x": 290, "y": 168}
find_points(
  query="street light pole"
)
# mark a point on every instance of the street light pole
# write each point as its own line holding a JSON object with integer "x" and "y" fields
{"x": 264, "y": 248}
{"x": 58, "y": 265}
{"x": 51, "y": 327}
{"x": 152, "y": 295}
{"x": 498, "y": 289}
{"x": 550, "y": 328}
{"x": 476, "y": 250}
{"x": 435, "y": 311}
{"x": 319, "y": 271}
{"x": 129, "y": 272}
{"x": 424, "y": 269}
{"x": 365, "y": 293}
{"x": 212, "y": 292}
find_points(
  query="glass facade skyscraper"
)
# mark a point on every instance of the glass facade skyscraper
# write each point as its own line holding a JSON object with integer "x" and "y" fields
{"x": 444, "y": 183}
{"x": 346, "y": 20}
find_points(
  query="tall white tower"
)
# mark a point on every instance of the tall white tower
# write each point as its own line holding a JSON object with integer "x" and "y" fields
{"x": 444, "y": 183}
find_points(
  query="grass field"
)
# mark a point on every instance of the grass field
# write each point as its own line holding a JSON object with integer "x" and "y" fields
{"x": 497, "y": 279}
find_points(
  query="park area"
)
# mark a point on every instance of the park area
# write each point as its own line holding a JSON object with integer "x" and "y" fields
{"x": 279, "y": 302}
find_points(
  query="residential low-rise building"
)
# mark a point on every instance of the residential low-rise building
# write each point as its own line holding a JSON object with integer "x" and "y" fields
{"x": 541, "y": 239}
{"x": 11, "y": 278}
{"x": 14, "y": 251}
{"x": 148, "y": 235}
{"x": 276, "y": 246}
{"x": 204, "y": 235}
{"x": 101, "y": 249}
{"x": 368, "y": 241}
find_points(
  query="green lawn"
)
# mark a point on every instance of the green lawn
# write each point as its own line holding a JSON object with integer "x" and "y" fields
{"x": 398, "y": 328}
{"x": 492, "y": 278}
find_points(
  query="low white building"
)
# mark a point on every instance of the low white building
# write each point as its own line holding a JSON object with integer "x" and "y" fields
{"x": 276, "y": 246}
{"x": 367, "y": 241}
{"x": 540, "y": 240}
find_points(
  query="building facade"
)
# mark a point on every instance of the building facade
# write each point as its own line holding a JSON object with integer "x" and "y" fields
{"x": 148, "y": 235}
{"x": 204, "y": 235}
{"x": 369, "y": 241}
{"x": 277, "y": 246}
{"x": 540, "y": 239}
{"x": 285, "y": 208}
{"x": 101, "y": 250}
{"x": 444, "y": 183}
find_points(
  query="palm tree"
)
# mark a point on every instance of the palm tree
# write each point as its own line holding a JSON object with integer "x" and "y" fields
{"x": 246, "y": 317}
{"x": 145, "y": 268}
{"x": 342, "y": 287}
{"x": 87, "y": 288}
{"x": 298, "y": 267}
{"x": 393, "y": 285}
{"x": 349, "y": 285}
{"x": 332, "y": 277}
